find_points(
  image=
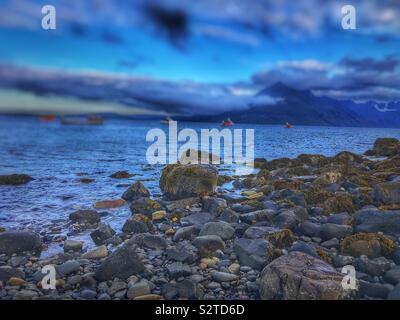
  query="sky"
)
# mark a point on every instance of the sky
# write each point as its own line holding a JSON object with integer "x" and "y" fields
{"x": 192, "y": 57}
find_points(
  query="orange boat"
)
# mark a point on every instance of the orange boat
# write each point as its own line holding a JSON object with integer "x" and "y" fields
{"x": 288, "y": 125}
{"x": 227, "y": 123}
{"x": 47, "y": 118}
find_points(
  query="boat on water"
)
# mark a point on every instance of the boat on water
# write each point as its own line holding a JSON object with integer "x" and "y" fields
{"x": 166, "y": 120}
{"x": 227, "y": 123}
{"x": 89, "y": 120}
{"x": 288, "y": 125}
{"x": 47, "y": 118}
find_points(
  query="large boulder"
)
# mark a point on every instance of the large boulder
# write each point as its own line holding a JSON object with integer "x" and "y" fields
{"x": 122, "y": 263}
{"x": 19, "y": 241}
{"x": 15, "y": 179}
{"x": 373, "y": 220}
{"x": 184, "y": 181}
{"x": 255, "y": 253}
{"x": 387, "y": 192}
{"x": 220, "y": 228}
{"x": 373, "y": 245}
{"x": 299, "y": 276}
{"x": 385, "y": 147}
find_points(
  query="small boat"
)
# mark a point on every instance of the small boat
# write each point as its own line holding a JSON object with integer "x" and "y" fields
{"x": 90, "y": 120}
{"x": 166, "y": 120}
{"x": 227, "y": 123}
{"x": 47, "y": 118}
{"x": 288, "y": 125}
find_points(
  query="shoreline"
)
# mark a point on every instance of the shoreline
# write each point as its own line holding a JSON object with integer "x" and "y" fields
{"x": 295, "y": 216}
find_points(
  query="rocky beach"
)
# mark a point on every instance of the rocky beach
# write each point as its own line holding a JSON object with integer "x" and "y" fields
{"x": 284, "y": 232}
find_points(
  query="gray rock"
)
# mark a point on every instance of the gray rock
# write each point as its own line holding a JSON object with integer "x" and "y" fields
{"x": 145, "y": 206}
{"x": 186, "y": 233}
{"x": 304, "y": 247}
{"x": 149, "y": 241}
{"x": 135, "y": 225}
{"x": 7, "y": 272}
{"x": 85, "y": 217}
{"x": 332, "y": 243}
{"x": 374, "y": 267}
{"x": 198, "y": 219}
{"x": 387, "y": 192}
{"x": 116, "y": 286}
{"x": 88, "y": 294}
{"x": 73, "y": 245}
{"x": 67, "y": 268}
{"x": 122, "y": 263}
{"x": 254, "y": 217}
{"x": 393, "y": 275}
{"x": 299, "y": 276}
{"x": 221, "y": 228}
{"x": 25, "y": 295}
{"x": 373, "y": 220}
{"x": 395, "y": 293}
{"x": 310, "y": 229}
{"x": 341, "y": 261}
{"x": 214, "y": 205}
{"x": 102, "y": 233}
{"x": 230, "y": 216}
{"x": 138, "y": 289}
{"x": 19, "y": 242}
{"x": 135, "y": 191}
{"x": 185, "y": 289}
{"x": 208, "y": 244}
{"x": 178, "y": 269}
{"x": 340, "y": 218}
{"x": 255, "y": 253}
{"x": 183, "y": 252}
{"x": 224, "y": 276}
{"x": 373, "y": 290}
{"x": 339, "y": 231}
{"x": 286, "y": 219}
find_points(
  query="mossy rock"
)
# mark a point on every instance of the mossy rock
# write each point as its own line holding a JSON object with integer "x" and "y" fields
{"x": 286, "y": 184}
{"x": 372, "y": 245}
{"x": 184, "y": 181}
{"x": 281, "y": 238}
{"x": 259, "y": 163}
{"x": 281, "y": 163}
{"x": 145, "y": 206}
{"x": 339, "y": 203}
{"x": 299, "y": 171}
{"x": 346, "y": 157}
{"x": 313, "y": 159}
{"x": 316, "y": 196}
{"x": 222, "y": 179}
{"x": 324, "y": 255}
{"x": 254, "y": 203}
{"x": 385, "y": 147}
{"x": 15, "y": 179}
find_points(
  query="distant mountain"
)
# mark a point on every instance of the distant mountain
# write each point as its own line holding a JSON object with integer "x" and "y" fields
{"x": 301, "y": 107}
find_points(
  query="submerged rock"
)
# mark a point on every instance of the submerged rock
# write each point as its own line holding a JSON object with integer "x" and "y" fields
{"x": 19, "y": 241}
{"x": 184, "y": 181}
{"x": 15, "y": 179}
{"x": 299, "y": 276}
{"x": 121, "y": 175}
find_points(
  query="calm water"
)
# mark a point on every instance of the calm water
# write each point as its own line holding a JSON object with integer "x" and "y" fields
{"x": 58, "y": 156}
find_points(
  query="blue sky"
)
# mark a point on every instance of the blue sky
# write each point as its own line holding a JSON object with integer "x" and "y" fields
{"x": 195, "y": 53}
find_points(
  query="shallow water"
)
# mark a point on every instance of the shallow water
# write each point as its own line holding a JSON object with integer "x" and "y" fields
{"x": 57, "y": 156}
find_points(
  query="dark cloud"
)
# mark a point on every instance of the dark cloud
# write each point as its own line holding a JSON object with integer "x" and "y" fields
{"x": 112, "y": 38}
{"x": 387, "y": 64}
{"x": 170, "y": 22}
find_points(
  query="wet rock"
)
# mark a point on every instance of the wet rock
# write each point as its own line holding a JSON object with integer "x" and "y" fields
{"x": 331, "y": 230}
{"x": 135, "y": 191}
{"x": 67, "y": 268}
{"x": 7, "y": 272}
{"x": 97, "y": 253}
{"x": 121, "y": 175}
{"x": 373, "y": 290}
{"x": 122, "y": 263}
{"x": 208, "y": 244}
{"x": 373, "y": 245}
{"x": 15, "y": 179}
{"x": 185, "y": 289}
{"x": 224, "y": 276}
{"x": 158, "y": 215}
{"x": 393, "y": 275}
{"x": 298, "y": 276}
{"x": 145, "y": 206}
{"x": 198, "y": 219}
{"x": 109, "y": 204}
{"x": 19, "y": 241}
{"x": 279, "y": 238}
{"x": 257, "y": 216}
{"x": 385, "y": 147}
{"x": 138, "y": 289}
{"x": 387, "y": 193}
{"x": 178, "y": 269}
{"x": 149, "y": 241}
{"x": 116, "y": 286}
{"x": 214, "y": 205}
{"x": 186, "y": 233}
{"x": 102, "y": 234}
{"x": 220, "y": 228}
{"x": 183, "y": 252}
{"x": 373, "y": 220}
{"x": 183, "y": 181}
{"x": 374, "y": 267}
{"x": 255, "y": 253}
{"x": 228, "y": 215}
{"x": 73, "y": 245}
{"x": 138, "y": 223}
{"x": 85, "y": 217}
